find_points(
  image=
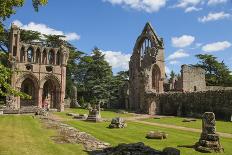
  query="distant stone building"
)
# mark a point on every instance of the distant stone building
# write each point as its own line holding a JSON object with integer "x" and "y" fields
{"x": 39, "y": 71}
{"x": 146, "y": 67}
{"x": 192, "y": 79}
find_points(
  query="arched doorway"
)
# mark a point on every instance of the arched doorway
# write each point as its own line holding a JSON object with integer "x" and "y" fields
{"x": 51, "y": 94}
{"x": 29, "y": 87}
{"x": 156, "y": 76}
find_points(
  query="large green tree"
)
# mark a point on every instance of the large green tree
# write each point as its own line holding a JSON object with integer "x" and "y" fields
{"x": 217, "y": 73}
{"x": 93, "y": 78}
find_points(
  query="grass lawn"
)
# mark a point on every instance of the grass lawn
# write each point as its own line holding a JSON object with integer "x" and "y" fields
{"x": 221, "y": 126}
{"x": 135, "y": 132}
{"x": 104, "y": 114}
{"x": 23, "y": 135}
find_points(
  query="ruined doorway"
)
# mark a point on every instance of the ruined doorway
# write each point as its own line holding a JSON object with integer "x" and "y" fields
{"x": 50, "y": 96}
{"x": 28, "y": 86}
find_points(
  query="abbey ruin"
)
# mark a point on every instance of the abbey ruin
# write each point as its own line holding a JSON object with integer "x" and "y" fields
{"x": 151, "y": 92}
{"x": 39, "y": 71}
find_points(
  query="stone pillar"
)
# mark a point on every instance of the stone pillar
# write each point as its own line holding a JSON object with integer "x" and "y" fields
{"x": 209, "y": 140}
{"x": 40, "y": 94}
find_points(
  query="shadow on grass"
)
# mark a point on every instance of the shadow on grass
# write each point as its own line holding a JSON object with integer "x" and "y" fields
{"x": 134, "y": 148}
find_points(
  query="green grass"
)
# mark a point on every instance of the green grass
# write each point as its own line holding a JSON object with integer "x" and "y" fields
{"x": 221, "y": 126}
{"x": 104, "y": 114}
{"x": 23, "y": 135}
{"x": 135, "y": 132}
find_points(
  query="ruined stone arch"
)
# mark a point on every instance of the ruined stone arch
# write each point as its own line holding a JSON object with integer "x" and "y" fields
{"x": 22, "y": 54}
{"x": 44, "y": 56}
{"x": 156, "y": 77}
{"x": 38, "y": 55}
{"x": 51, "y": 56}
{"x": 30, "y": 54}
{"x": 29, "y": 84}
{"x": 51, "y": 92}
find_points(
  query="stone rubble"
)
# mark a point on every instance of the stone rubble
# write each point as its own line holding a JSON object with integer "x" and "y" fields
{"x": 135, "y": 149}
{"x": 69, "y": 134}
{"x": 156, "y": 135}
{"x": 118, "y": 122}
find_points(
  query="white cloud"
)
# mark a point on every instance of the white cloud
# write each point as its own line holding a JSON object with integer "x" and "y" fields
{"x": 44, "y": 29}
{"x": 214, "y": 17}
{"x": 217, "y": 46}
{"x": 167, "y": 70}
{"x": 173, "y": 62}
{"x": 182, "y": 41}
{"x": 117, "y": 60}
{"x": 187, "y": 3}
{"x": 145, "y": 5}
{"x": 215, "y": 2}
{"x": 191, "y": 9}
{"x": 178, "y": 54}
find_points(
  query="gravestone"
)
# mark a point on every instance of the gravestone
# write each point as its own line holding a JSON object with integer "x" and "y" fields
{"x": 74, "y": 103}
{"x": 94, "y": 114}
{"x": 209, "y": 140}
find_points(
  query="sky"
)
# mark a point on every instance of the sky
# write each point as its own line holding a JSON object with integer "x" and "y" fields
{"x": 188, "y": 27}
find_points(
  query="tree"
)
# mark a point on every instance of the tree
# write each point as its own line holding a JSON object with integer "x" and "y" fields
{"x": 172, "y": 75}
{"x": 7, "y": 9}
{"x": 93, "y": 78}
{"x": 217, "y": 73}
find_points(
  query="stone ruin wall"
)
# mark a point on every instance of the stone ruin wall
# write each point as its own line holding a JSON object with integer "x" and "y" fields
{"x": 191, "y": 104}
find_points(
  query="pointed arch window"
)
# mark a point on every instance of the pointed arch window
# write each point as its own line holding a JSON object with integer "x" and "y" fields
{"x": 30, "y": 54}
{"x": 51, "y": 57}
{"x": 145, "y": 47}
{"x": 22, "y": 54}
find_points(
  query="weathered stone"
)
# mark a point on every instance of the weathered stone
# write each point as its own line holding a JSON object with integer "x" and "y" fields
{"x": 42, "y": 112}
{"x": 130, "y": 149}
{"x": 1, "y": 111}
{"x": 189, "y": 120}
{"x": 171, "y": 151}
{"x": 147, "y": 69}
{"x": 117, "y": 122}
{"x": 156, "y": 135}
{"x": 94, "y": 114}
{"x": 39, "y": 71}
{"x": 209, "y": 140}
{"x": 81, "y": 116}
{"x": 69, "y": 134}
{"x": 72, "y": 114}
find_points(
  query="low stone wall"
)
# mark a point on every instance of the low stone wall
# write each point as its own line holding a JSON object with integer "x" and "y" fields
{"x": 217, "y": 88}
{"x": 192, "y": 104}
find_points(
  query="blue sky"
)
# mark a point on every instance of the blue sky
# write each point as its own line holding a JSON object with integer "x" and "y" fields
{"x": 189, "y": 27}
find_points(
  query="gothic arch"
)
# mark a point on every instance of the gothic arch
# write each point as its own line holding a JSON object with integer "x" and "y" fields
{"x": 22, "y": 54}
{"x": 51, "y": 56}
{"x": 51, "y": 92}
{"x": 156, "y": 77}
{"x": 30, "y": 54}
{"x": 28, "y": 84}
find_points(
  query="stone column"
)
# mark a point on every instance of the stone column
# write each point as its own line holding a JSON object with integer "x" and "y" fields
{"x": 209, "y": 140}
{"x": 40, "y": 94}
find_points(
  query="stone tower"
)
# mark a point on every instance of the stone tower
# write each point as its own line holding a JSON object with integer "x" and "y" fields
{"x": 146, "y": 68}
{"x": 39, "y": 71}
